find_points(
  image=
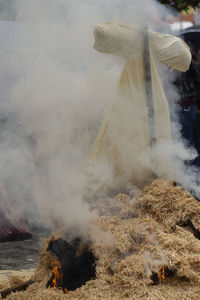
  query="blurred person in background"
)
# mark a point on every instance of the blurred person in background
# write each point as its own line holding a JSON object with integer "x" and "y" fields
{"x": 197, "y": 15}
{"x": 188, "y": 85}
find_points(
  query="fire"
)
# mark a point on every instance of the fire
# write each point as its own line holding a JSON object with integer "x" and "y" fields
{"x": 66, "y": 291}
{"x": 57, "y": 271}
{"x": 161, "y": 275}
{"x": 73, "y": 266}
{"x": 57, "y": 276}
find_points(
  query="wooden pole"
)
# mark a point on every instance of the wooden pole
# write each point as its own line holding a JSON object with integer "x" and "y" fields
{"x": 149, "y": 95}
{"x": 16, "y": 288}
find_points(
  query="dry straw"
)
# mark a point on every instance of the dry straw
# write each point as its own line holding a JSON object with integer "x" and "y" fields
{"x": 155, "y": 228}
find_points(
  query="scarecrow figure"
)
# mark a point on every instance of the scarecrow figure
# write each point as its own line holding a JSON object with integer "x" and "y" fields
{"x": 134, "y": 139}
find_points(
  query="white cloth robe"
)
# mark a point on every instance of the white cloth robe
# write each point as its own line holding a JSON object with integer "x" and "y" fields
{"x": 123, "y": 141}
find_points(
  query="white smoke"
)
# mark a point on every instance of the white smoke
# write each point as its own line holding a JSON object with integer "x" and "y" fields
{"x": 54, "y": 91}
{"x": 183, "y": 153}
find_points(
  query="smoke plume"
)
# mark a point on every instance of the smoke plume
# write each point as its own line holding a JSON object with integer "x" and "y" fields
{"x": 54, "y": 92}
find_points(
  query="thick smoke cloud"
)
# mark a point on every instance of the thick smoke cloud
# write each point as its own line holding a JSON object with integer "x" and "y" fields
{"x": 54, "y": 91}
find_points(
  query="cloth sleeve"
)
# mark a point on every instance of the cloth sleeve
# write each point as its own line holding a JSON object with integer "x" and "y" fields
{"x": 170, "y": 50}
{"x": 117, "y": 39}
{"x": 127, "y": 42}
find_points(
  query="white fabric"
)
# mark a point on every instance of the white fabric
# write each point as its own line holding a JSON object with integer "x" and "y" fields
{"x": 123, "y": 140}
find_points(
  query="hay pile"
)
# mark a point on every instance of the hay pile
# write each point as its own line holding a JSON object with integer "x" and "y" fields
{"x": 10, "y": 278}
{"x": 150, "y": 231}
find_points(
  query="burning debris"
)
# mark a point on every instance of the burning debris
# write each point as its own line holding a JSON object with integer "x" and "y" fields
{"x": 56, "y": 280}
{"x": 75, "y": 264}
{"x": 163, "y": 274}
{"x": 154, "y": 256}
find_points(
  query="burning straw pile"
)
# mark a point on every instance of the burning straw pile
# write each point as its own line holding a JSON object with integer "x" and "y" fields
{"x": 155, "y": 255}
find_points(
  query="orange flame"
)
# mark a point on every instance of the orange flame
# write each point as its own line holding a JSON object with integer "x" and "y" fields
{"x": 58, "y": 275}
{"x": 161, "y": 274}
{"x": 57, "y": 271}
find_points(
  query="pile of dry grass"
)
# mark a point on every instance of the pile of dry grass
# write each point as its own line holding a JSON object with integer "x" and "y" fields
{"x": 10, "y": 278}
{"x": 156, "y": 228}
